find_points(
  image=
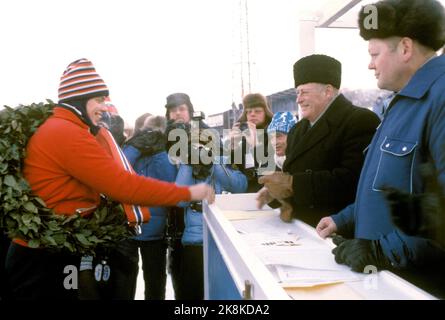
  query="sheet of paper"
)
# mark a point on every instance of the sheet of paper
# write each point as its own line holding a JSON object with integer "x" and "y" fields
{"x": 299, "y": 277}
{"x": 299, "y": 256}
{"x": 247, "y": 215}
{"x": 260, "y": 241}
{"x": 337, "y": 291}
{"x": 267, "y": 224}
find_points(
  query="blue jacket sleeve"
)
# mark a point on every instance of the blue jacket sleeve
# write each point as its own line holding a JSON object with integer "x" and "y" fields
{"x": 404, "y": 251}
{"x": 184, "y": 178}
{"x": 132, "y": 154}
{"x": 230, "y": 179}
{"x": 345, "y": 219}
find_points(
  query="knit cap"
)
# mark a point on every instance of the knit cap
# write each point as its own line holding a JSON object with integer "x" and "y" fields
{"x": 282, "y": 122}
{"x": 80, "y": 81}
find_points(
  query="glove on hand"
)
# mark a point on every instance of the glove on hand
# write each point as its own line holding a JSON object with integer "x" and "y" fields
{"x": 279, "y": 184}
{"x": 201, "y": 171}
{"x": 148, "y": 142}
{"x": 285, "y": 211}
{"x": 359, "y": 253}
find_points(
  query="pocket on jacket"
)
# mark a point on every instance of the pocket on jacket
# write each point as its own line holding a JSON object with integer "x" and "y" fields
{"x": 395, "y": 167}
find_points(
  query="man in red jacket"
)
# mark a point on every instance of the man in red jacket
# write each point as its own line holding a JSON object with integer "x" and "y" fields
{"x": 69, "y": 164}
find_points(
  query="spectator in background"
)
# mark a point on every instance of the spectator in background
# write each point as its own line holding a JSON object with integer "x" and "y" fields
{"x": 224, "y": 178}
{"x": 179, "y": 112}
{"x": 111, "y": 120}
{"x": 248, "y": 139}
{"x": 139, "y": 123}
{"x": 146, "y": 151}
{"x": 278, "y": 129}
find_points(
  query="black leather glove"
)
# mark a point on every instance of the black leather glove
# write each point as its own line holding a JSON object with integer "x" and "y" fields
{"x": 406, "y": 210}
{"x": 148, "y": 142}
{"x": 105, "y": 120}
{"x": 359, "y": 253}
{"x": 117, "y": 129}
{"x": 201, "y": 171}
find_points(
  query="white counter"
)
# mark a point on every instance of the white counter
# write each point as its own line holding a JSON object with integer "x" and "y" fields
{"x": 232, "y": 269}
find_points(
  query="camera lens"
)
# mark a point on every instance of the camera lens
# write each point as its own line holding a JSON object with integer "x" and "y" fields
{"x": 243, "y": 126}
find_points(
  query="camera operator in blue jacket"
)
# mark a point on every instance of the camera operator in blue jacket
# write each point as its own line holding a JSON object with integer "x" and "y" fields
{"x": 200, "y": 164}
{"x": 146, "y": 151}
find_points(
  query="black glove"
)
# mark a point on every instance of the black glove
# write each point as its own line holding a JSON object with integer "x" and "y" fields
{"x": 148, "y": 142}
{"x": 105, "y": 120}
{"x": 117, "y": 129}
{"x": 406, "y": 210}
{"x": 359, "y": 253}
{"x": 201, "y": 171}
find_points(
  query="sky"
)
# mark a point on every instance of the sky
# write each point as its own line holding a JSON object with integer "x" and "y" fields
{"x": 145, "y": 50}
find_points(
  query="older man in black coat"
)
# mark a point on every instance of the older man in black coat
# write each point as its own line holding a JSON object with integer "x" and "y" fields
{"x": 325, "y": 150}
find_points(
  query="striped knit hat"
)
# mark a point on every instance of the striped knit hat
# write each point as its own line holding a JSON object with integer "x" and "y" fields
{"x": 81, "y": 81}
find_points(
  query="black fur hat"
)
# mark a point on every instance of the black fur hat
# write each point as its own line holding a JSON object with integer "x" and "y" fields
{"x": 176, "y": 99}
{"x": 318, "y": 68}
{"x": 421, "y": 20}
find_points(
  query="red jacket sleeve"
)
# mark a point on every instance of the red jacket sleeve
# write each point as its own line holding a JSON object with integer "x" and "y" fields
{"x": 86, "y": 160}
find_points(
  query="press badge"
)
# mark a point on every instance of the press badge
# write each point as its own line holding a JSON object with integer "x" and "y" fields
{"x": 98, "y": 272}
{"x": 106, "y": 272}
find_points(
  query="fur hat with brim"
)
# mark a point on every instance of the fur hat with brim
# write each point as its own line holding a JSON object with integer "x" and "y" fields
{"x": 421, "y": 20}
{"x": 253, "y": 100}
{"x": 317, "y": 68}
{"x": 176, "y": 99}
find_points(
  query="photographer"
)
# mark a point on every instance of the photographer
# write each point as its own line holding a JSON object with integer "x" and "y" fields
{"x": 199, "y": 165}
{"x": 146, "y": 151}
{"x": 179, "y": 111}
{"x": 248, "y": 141}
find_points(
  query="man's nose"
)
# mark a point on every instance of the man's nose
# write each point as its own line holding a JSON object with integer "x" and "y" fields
{"x": 299, "y": 99}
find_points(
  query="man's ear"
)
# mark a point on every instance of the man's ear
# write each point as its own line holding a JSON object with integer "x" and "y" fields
{"x": 330, "y": 91}
{"x": 406, "y": 48}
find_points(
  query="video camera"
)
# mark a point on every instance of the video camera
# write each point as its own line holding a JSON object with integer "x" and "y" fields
{"x": 198, "y": 116}
{"x": 243, "y": 126}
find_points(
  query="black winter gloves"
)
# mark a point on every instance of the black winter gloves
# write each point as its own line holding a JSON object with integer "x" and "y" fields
{"x": 148, "y": 142}
{"x": 359, "y": 253}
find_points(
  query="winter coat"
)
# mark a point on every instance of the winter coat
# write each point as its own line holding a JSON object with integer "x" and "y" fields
{"x": 412, "y": 132}
{"x": 325, "y": 160}
{"x": 156, "y": 166}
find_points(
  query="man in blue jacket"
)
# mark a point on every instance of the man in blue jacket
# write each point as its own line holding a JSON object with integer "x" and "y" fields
{"x": 147, "y": 153}
{"x": 403, "y": 57}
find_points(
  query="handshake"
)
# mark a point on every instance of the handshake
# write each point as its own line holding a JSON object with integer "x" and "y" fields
{"x": 277, "y": 186}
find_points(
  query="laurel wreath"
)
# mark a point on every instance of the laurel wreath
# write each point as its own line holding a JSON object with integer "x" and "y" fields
{"x": 25, "y": 216}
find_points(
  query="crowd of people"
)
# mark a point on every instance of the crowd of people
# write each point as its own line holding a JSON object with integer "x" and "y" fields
{"x": 351, "y": 174}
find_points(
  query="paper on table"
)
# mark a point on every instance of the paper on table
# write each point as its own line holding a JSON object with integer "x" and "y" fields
{"x": 267, "y": 224}
{"x": 245, "y": 215}
{"x": 300, "y": 256}
{"x": 309, "y": 253}
{"x": 300, "y": 277}
{"x": 260, "y": 241}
